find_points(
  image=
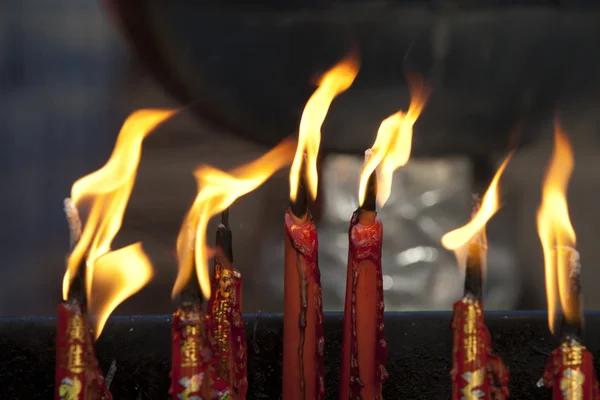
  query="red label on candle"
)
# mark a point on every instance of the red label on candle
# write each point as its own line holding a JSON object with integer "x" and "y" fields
{"x": 365, "y": 245}
{"x": 570, "y": 373}
{"x": 78, "y": 376}
{"x": 192, "y": 368}
{"x": 477, "y": 373}
{"x": 227, "y": 327}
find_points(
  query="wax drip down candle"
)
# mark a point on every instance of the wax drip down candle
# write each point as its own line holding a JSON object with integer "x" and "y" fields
{"x": 364, "y": 349}
{"x": 303, "y": 332}
{"x": 224, "y": 314}
{"x": 570, "y": 370}
{"x": 477, "y": 372}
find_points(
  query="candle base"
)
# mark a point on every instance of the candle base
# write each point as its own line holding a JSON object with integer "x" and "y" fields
{"x": 78, "y": 376}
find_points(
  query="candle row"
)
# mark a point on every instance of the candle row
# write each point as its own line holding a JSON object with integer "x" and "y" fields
{"x": 208, "y": 341}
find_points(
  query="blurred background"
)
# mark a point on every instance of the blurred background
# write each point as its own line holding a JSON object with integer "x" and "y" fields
{"x": 72, "y": 70}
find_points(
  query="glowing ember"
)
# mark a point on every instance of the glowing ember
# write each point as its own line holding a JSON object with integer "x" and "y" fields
{"x": 490, "y": 203}
{"x": 335, "y": 81}
{"x": 217, "y": 190}
{"x": 554, "y": 227}
{"x": 107, "y": 192}
{"x": 392, "y": 146}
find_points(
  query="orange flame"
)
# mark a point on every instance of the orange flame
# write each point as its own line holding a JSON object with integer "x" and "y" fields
{"x": 393, "y": 143}
{"x": 335, "y": 81}
{"x": 117, "y": 275}
{"x": 217, "y": 190}
{"x": 554, "y": 227}
{"x": 108, "y": 190}
{"x": 456, "y": 239}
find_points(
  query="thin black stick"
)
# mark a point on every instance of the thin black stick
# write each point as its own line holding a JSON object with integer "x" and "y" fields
{"x": 299, "y": 207}
{"x": 224, "y": 238}
{"x": 475, "y": 257}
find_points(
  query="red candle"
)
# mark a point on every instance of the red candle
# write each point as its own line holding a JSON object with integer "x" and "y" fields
{"x": 78, "y": 376}
{"x": 224, "y": 313}
{"x": 364, "y": 348}
{"x": 570, "y": 369}
{"x": 193, "y": 362}
{"x": 303, "y": 339}
{"x": 197, "y": 368}
{"x": 303, "y": 331}
{"x": 570, "y": 372}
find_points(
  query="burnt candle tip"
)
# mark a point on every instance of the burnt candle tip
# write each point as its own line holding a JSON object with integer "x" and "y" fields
{"x": 299, "y": 206}
{"x": 370, "y": 202}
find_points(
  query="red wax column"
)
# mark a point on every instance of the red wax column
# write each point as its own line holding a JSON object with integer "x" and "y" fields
{"x": 78, "y": 376}
{"x": 570, "y": 372}
{"x": 303, "y": 332}
{"x": 224, "y": 314}
{"x": 364, "y": 348}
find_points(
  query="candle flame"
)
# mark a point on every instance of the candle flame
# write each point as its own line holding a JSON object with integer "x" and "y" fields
{"x": 554, "y": 227}
{"x": 490, "y": 204}
{"x": 217, "y": 190}
{"x": 335, "y": 81}
{"x": 107, "y": 192}
{"x": 393, "y": 143}
{"x": 117, "y": 275}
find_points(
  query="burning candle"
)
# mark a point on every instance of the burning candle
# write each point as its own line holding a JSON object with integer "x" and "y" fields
{"x": 477, "y": 372}
{"x": 303, "y": 332}
{"x": 364, "y": 349}
{"x": 108, "y": 277}
{"x": 570, "y": 369}
{"x": 193, "y": 370}
{"x": 225, "y": 314}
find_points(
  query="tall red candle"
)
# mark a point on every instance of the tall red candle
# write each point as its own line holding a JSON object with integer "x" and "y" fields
{"x": 364, "y": 348}
{"x": 224, "y": 313}
{"x": 303, "y": 330}
{"x": 303, "y": 338}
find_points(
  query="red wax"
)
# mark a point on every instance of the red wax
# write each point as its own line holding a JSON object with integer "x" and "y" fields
{"x": 364, "y": 348}
{"x": 570, "y": 373}
{"x": 78, "y": 376}
{"x": 301, "y": 246}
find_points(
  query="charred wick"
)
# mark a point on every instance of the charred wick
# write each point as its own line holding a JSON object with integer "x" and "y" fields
{"x": 474, "y": 276}
{"x": 76, "y": 293}
{"x": 224, "y": 240}
{"x": 191, "y": 295}
{"x": 299, "y": 207}
{"x": 370, "y": 203}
